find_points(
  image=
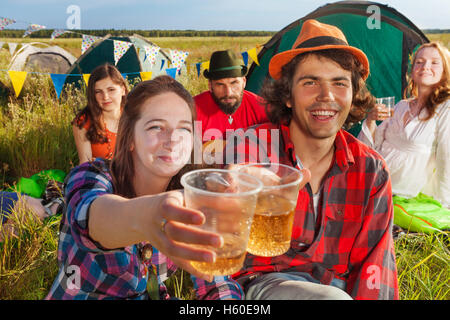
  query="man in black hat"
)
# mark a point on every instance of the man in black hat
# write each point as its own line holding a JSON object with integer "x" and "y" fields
{"x": 226, "y": 105}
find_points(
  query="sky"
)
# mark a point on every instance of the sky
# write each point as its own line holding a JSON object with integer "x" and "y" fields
{"x": 267, "y": 15}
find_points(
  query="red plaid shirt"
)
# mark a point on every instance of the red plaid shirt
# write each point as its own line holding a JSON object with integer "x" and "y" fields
{"x": 351, "y": 239}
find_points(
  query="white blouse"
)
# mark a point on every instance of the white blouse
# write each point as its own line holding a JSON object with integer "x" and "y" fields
{"x": 418, "y": 154}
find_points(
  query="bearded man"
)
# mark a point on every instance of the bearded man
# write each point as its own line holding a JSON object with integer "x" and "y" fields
{"x": 226, "y": 105}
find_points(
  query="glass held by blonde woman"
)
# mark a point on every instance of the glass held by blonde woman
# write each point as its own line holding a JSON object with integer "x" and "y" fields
{"x": 414, "y": 142}
{"x": 121, "y": 217}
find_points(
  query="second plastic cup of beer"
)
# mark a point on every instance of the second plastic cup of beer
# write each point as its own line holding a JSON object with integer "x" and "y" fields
{"x": 271, "y": 231}
{"x": 228, "y": 200}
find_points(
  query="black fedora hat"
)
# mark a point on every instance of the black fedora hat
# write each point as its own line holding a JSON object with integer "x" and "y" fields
{"x": 224, "y": 64}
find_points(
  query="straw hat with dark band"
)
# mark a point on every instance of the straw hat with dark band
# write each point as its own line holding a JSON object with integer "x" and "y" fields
{"x": 224, "y": 64}
{"x": 316, "y": 36}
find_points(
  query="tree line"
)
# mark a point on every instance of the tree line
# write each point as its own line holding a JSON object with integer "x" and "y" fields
{"x": 46, "y": 33}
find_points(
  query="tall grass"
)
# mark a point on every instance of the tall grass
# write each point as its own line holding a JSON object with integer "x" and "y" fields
{"x": 423, "y": 263}
{"x": 28, "y": 260}
{"x": 35, "y": 134}
{"x": 35, "y": 129}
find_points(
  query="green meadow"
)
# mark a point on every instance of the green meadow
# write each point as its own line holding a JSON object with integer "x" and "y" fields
{"x": 35, "y": 134}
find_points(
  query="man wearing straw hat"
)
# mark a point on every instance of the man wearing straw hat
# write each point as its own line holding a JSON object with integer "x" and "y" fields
{"x": 341, "y": 243}
{"x": 226, "y": 105}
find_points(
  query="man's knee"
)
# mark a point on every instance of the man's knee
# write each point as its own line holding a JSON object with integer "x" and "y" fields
{"x": 277, "y": 288}
{"x": 325, "y": 292}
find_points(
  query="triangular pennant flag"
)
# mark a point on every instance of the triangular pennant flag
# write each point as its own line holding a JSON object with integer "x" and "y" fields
{"x": 12, "y": 47}
{"x": 162, "y": 64}
{"x": 205, "y": 65}
{"x": 87, "y": 42}
{"x": 32, "y": 28}
{"x": 147, "y": 75}
{"x": 17, "y": 79}
{"x": 178, "y": 57}
{"x": 58, "y": 82}
{"x": 188, "y": 68}
{"x": 172, "y": 72}
{"x": 5, "y": 21}
{"x": 245, "y": 57}
{"x": 120, "y": 48}
{"x": 252, "y": 53}
{"x": 57, "y": 32}
{"x": 124, "y": 76}
{"x": 198, "y": 65}
{"x": 86, "y": 77}
{"x": 151, "y": 53}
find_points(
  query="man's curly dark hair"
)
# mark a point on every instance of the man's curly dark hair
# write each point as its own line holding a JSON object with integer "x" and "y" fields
{"x": 278, "y": 92}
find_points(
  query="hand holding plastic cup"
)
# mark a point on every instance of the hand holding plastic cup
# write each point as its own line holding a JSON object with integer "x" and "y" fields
{"x": 271, "y": 230}
{"x": 388, "y": 102}
{"x": 228, "y": 200}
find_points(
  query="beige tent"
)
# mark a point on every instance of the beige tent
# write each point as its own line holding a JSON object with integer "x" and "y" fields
{"x": 40, "y": 57}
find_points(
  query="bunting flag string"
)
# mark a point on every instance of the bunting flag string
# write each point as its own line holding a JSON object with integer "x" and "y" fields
{"x": 174, "y": 63}
{"x": 177, "y": 57}
{"x": 121, "y": 47}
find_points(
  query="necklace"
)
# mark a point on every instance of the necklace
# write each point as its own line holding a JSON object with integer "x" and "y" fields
{"x": 108, "y": 141}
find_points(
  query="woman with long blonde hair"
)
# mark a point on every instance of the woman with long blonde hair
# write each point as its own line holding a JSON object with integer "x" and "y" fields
{"x": 415, "y": 140}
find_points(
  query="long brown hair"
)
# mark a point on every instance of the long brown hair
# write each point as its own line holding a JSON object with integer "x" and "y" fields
{"x": 93, "y": 112}
{"x": 441, "y": 92}
{"x": 277, "y": 93}
{"x": 122, "y": 166}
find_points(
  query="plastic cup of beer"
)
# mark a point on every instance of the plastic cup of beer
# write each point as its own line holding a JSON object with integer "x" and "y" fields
{"x": 227, "y": 199}
{"x": 271, "y": 230}
{"x": 388, "y": 102}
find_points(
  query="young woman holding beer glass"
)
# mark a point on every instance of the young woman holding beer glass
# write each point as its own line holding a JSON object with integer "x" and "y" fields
{"x": 414, "y": 142}
{"x": 117, "y": 211}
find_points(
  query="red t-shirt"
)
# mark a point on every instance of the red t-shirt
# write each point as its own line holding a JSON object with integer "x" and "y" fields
{"x": 250, "y": 112}
{"x": 101, "y": 150}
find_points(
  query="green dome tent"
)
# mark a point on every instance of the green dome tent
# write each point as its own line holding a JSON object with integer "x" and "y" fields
{"x": 132, "y": 62}
{"x": 388, "y": 44}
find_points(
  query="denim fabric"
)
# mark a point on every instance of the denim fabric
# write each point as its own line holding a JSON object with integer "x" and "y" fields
{"x": 7, "y": 201}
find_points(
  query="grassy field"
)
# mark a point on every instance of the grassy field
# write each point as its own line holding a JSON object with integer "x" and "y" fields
{"x": 35, "y": 134}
